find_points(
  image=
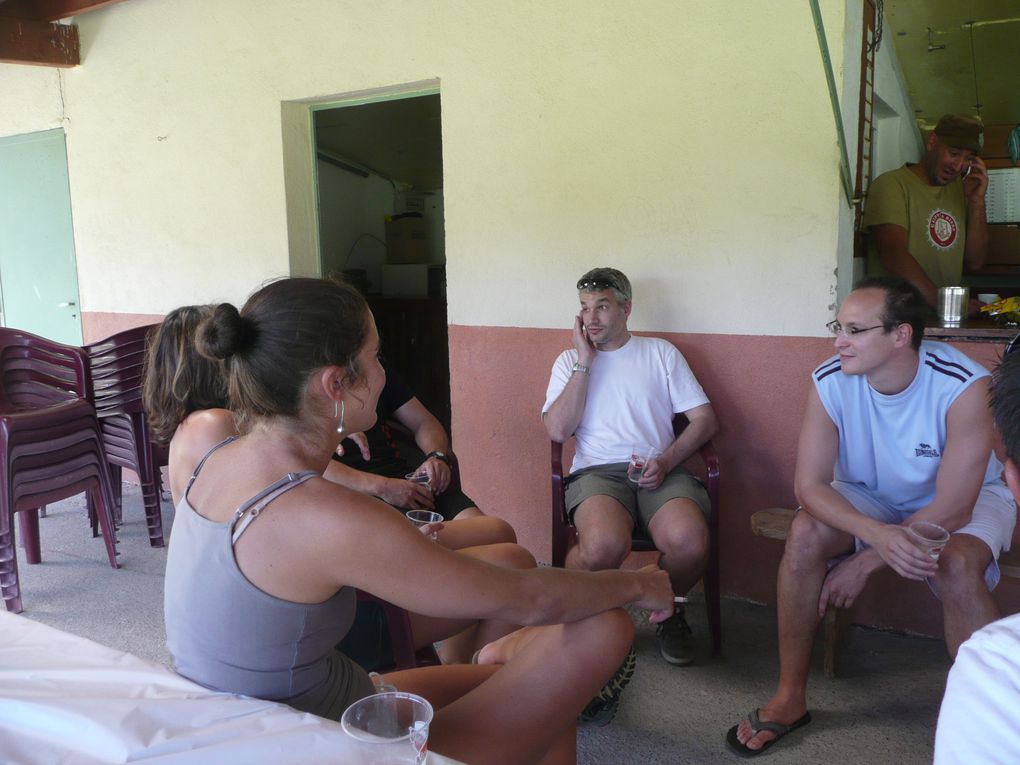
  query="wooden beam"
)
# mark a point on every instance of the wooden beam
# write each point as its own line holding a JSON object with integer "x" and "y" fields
{"x": 24, "y": 41}
{"x": 50, "y": 10}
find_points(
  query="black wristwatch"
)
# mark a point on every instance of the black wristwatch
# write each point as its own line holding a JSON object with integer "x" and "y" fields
{"x": 441, "y": 456}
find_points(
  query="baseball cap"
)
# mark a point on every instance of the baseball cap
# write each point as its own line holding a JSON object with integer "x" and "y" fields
{"x": 961, "y": 131}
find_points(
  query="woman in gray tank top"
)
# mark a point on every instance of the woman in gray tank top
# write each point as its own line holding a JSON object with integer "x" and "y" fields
{"x": 265, "y": 553}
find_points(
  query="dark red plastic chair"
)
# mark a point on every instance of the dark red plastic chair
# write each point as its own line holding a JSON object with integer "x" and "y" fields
{"x": 115, "y": 369}
{"x": 564, "y": 536}
{"x": 50, "y": 445}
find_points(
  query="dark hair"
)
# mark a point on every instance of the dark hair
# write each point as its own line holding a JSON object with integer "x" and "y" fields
{"x": 904, "y": 304}
{"x": 285, "y": 331}
{"x": 605, "y": 278}
{"x": 1006, "y": 402}
{"x": 179, "y": 380}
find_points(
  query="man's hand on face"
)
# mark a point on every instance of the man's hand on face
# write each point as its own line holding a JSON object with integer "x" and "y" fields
{"x": 975, "y": 182}
{"x": 585, "y": 347}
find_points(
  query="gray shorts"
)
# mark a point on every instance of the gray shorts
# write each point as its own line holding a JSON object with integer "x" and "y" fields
{"x": 640, "y": 504}
{"x": 992, "y": 521}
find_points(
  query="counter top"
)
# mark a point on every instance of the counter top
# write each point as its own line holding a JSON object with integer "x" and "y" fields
{"x": 972, "y": 330}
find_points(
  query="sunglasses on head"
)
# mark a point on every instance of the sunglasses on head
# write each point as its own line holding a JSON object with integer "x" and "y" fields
{"x": 595, "y": 284}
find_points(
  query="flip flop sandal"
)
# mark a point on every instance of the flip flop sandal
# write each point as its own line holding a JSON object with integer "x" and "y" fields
{"x": 758, "y": 725}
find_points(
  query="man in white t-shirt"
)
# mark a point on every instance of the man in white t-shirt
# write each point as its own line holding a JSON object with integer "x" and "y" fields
{"x": 614, "y": 392}
{"x": 896, "y": 430}
{"x": 980, "y": 713}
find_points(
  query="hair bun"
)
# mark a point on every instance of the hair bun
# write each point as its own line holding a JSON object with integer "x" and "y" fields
{"x": 225, "y": 333}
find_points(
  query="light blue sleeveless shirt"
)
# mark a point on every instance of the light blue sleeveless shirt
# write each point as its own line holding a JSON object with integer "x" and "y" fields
{"x": 226, "y": 634}
{"x": 892, "y": 445}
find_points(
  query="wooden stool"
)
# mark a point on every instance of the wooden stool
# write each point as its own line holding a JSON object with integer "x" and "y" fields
{"x": 774, "y": 523}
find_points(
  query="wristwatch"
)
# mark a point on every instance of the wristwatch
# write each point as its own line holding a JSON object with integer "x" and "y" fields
{"x": 578, "y": 367}
{"x": 441, "y": 456}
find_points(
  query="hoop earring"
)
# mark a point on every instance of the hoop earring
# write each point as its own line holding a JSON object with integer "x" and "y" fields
{"x": 338, "y": 411}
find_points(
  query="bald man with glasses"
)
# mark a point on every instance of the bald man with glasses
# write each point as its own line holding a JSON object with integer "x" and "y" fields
{"x": 896, "y": 430}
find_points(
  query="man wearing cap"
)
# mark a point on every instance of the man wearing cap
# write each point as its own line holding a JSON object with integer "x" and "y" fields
{"x": 925, "y": 221}
{"x": 613, "y": 391}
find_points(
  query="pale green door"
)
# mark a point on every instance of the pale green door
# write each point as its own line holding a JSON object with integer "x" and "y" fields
{"x": 38, "y": 275}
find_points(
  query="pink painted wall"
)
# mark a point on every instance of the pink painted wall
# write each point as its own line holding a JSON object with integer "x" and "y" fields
{"x": 758, "y": 386}
{"x": 96, "y": 325}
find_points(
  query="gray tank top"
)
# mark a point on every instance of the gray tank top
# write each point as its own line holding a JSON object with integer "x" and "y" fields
{"x": 225, "y": 633}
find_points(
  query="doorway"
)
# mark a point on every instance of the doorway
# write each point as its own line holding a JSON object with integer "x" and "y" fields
{"x": 376, "y": 169}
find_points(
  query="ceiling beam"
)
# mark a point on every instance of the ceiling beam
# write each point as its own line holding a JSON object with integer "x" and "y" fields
{"x": 26, "y": 41}
{"x": 50, "y": 10}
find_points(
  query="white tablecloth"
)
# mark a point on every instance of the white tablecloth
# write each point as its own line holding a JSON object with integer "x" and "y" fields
{"x": 64, "y": 699}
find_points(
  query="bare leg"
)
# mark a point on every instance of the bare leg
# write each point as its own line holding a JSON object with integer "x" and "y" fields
{"x": 523, "y": 711}
{"x": 967, "y": 605}
{"x": 801, "y": 574}
{"x": 475, "y": 531}
{"x": 680, "y": 532}
{"x": 603, "y": 534}
{"x": 461, "y": 638}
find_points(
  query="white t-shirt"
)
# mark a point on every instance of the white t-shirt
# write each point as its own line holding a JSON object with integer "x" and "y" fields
{"x": 633, "y": 394}
{"x": 892, "y": 445}
{"x": 980, "y": 713}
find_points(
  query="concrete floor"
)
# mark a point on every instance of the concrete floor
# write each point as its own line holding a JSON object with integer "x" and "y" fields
{"x": 882, "y": 708}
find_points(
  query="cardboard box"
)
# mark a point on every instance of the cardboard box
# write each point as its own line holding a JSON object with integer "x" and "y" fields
{"x": 406, "y": 241}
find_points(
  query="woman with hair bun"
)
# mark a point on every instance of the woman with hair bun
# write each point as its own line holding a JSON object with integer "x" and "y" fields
{"x": 265, "y": 554}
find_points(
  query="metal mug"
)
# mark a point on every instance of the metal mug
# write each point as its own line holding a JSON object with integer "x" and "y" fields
{"x": 953, "y": 303}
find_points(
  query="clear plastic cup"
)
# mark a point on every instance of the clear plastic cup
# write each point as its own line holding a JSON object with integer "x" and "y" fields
{"x": 930, "y": 537}
{"x": 394, "y": 724}
{"x": 422, "y": 478}
{"x": 639, "y": 456}
{"x": 422, "y": 517}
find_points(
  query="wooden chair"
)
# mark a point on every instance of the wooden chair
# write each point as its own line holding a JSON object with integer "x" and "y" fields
{"x": 564, "y": 535}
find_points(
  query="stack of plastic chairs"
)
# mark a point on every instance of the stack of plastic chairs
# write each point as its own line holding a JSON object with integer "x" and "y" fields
{"x": 50, "y": 444}
{"x": 116, "y": 366}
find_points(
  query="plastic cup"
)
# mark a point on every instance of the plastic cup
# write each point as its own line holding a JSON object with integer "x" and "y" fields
{"x": 421, "y": 517}
{"x": 422, "y": 478}
{"x": 639, "y": 456}
{"x": 394, "y": 724}
{"x": 930, "y": 537}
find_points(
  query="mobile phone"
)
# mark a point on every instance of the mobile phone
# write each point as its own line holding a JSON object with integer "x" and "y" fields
{"x": 967, "y": 171}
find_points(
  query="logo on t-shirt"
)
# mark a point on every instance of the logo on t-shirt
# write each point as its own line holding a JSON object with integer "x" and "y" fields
{"x": 942, "y": 229}
{"x": 926, "y": 450}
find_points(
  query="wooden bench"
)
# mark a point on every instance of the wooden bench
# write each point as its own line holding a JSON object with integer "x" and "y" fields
{"x": 774, "y": 523}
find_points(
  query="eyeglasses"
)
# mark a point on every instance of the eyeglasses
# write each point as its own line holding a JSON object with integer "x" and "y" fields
{"x": 596, "y": 284}
{"x": 835, "y": 328}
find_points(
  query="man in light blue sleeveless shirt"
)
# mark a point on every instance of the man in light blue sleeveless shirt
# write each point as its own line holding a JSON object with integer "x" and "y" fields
{"x": 896, "y": 430}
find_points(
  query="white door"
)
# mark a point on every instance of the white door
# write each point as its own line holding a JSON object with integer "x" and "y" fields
{"x": 38, "y": 274}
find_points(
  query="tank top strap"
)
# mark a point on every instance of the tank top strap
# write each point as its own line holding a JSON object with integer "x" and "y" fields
{"x": 208, "y": 454}
{"x": 250, "y": 510}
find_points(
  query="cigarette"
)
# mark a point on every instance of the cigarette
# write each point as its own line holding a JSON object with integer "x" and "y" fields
{"x": 681, "y": 599}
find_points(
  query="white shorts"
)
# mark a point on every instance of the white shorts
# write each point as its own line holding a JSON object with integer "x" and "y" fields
{"x": 992, "y": 521}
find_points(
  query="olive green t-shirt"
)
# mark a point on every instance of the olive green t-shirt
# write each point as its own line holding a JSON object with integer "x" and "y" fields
{"x": 935, "y": 218}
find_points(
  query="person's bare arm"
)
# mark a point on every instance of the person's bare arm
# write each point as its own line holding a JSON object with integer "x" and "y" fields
{"x": 564, "y": 415}
{"x": 701, "y": 426}
{"x": 395, "y": 491}
{"x": 975, "y": 184}
{"x": 430, "y": 436}
{"x": 890, "y": 242}
{"x": 359, "y": 546}
{"x": 969, "y": 442}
